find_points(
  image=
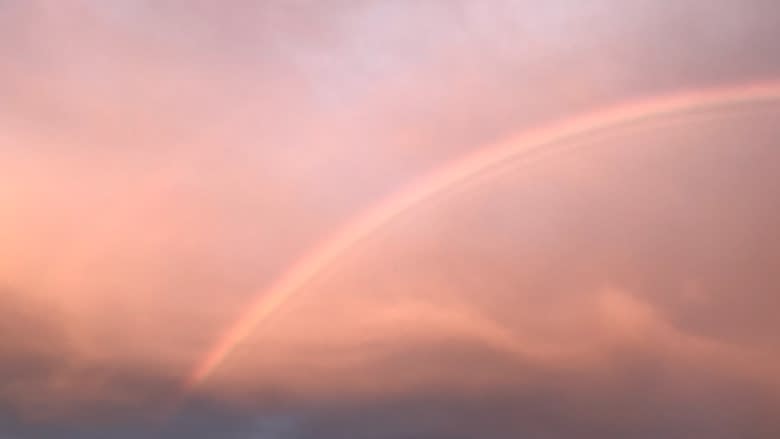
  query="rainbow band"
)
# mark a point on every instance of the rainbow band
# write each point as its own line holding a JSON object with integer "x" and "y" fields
{"x": 374, "y": 218}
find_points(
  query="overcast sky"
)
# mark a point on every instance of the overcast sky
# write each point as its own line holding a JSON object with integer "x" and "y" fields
{"x": 162, "y": 163}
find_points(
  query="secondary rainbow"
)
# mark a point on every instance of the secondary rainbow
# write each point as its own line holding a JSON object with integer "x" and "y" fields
{"x": 327, "y": 252}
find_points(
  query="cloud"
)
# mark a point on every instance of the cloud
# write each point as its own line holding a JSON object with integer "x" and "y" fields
{"x": 162, "y": 163}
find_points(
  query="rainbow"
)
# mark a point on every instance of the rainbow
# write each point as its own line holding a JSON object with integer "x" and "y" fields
{"x": 370, "y": 221}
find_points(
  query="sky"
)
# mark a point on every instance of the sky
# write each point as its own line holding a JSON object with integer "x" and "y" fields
{"x": 167, "y": 165}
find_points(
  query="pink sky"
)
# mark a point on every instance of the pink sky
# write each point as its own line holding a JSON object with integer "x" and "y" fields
{"x": 164, "y": 162}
